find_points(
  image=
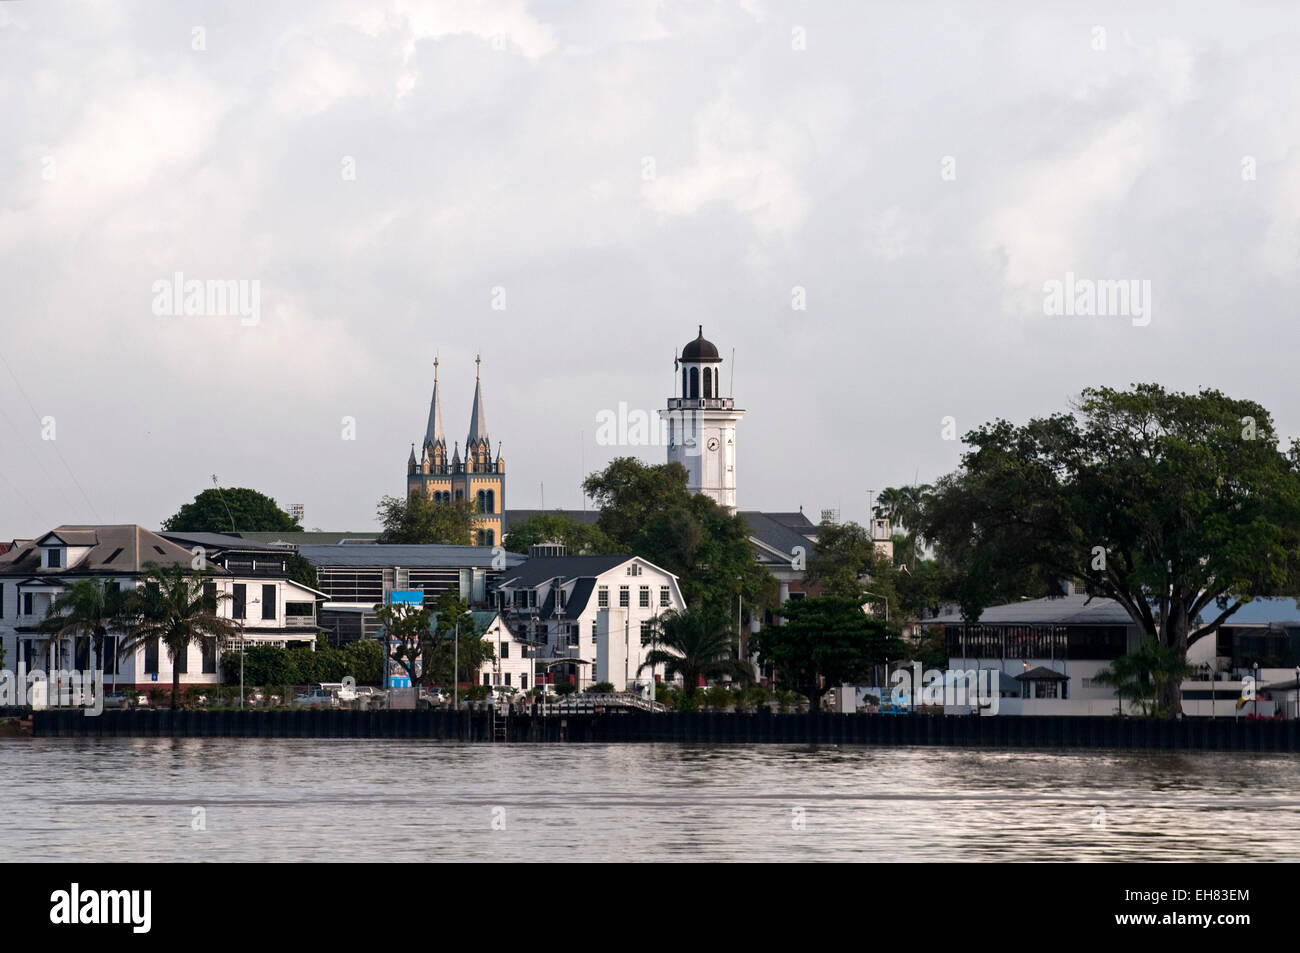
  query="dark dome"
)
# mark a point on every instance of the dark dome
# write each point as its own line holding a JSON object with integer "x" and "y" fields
{"x": 700, "y": 350}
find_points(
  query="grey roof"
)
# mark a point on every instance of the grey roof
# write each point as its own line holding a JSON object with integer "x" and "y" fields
{"x": 113, "y": 549}
{"x": 1041, "y": 673}
{"x": 219, "y": 541}
{"x": 576, "y": 602}
{"x": 309, "y": 538}
{"x": 537, "y": 570}
{"x": 1058, "y": 610}
{"x": 433, "y": 556}
{"x": 776, "y": 534}
{"x": 795, "y": 521}
{"x": 585, "y": 517}
{"x": 477, "y": 418}
{"x": 433, "y": 430}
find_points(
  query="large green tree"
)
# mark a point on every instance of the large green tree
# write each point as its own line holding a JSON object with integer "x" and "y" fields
{"x": 417, "y": 519}
{"x": 648, "y": 511}
{"x": 556, "y": 527}
{"x": 1180, "y": 507}
{"x": 824, "y": 642}
{"x": 231, "y": 510}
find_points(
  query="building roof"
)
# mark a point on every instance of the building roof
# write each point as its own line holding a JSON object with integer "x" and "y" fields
{"x": 1056, "y": 610}
{"x": 514, "y": 517}
{"x": 700, "y": 350}
{"x": 220, "y": 541}
{"x": 310, "y": 538}
{"x": 775, "y": 534}
{"x": 537, "y": 570}
{"x": 123, "y": 548}
{"x": 477, "y": 418}
{"x": 1281, "y": 610}
{"x": 1042, "y": 673}
{"x": 387, "y": 555}
{"x": 433, "y": 433}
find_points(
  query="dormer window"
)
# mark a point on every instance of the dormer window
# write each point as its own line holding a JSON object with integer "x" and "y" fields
{"x": 54, "y": 558}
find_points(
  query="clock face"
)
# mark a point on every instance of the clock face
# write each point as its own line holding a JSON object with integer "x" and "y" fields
{"x": 713, "y": 443}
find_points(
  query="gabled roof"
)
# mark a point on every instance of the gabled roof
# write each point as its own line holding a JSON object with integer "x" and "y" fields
{"x": 778, "y": 538}
{"x": 112, "y": 549}
{"x": 1041, "y": 673}
{"x": 222, "y": 541}
{"x": 537, "y": 570}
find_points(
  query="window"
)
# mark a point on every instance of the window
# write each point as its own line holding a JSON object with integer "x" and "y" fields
{"x": 507, "y": 678}
{"x": 532, "y": 598}
{"x": 523, "y": 681}
{"x": 572, "y": 634}
{"x": 708, "y": 382}
{"x": 564, "y": 598}
{"x": 210, "y": 596}
{"x": 643, "y": 597}
{"x": 151, "y": 657}
{"x": 695, "y": 383}
{"x": 487, "y": 679}
{"x": 181, "y": 663}
{"x": 634, "y": 569}
{"x": 108, "y": 662}
{"x": 240, "y": 601}
{"x": 2, "y": 600}
{"x": 55, "y": 560}
{"x": 28, "y": 607}
{"x": 505, "y": 650}
{"x": 663, "y": 596}
{"x": 593, "y": 631}
{"x": 268, "y": 602}
{"x": 602, "y": 597}
{"x": 647, "y": 629}
{"x": 623, "y": 598}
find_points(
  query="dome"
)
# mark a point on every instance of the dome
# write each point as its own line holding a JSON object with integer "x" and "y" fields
{"x": 700, "y": 350}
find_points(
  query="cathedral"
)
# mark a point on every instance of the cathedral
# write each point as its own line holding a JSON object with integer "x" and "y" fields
{"x": 478, "y": 478}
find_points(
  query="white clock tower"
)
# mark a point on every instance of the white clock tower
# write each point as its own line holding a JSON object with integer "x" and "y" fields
{"x": 702, "y": 425}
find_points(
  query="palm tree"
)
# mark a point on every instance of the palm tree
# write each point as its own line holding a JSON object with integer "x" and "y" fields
{"x": 173, "y": 608}
{"x": 695, "y": 642}
{"x": 84, "y": 612}
{"x": 1141, "y": 675}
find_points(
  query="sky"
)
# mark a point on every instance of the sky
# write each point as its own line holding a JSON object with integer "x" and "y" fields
{"x": 865, "y": 203}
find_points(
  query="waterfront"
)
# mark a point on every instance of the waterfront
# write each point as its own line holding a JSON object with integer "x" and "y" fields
{"x": 323, "y": 800}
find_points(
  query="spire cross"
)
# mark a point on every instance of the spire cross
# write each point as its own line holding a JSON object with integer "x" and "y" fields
{"x": 477, "y": 361}
{"x": 435, "y": 370}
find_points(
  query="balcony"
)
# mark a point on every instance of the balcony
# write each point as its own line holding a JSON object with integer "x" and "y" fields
{"x": 701, "y": 403}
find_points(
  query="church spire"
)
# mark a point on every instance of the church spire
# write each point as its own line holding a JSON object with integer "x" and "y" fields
{"x": 433, "y": 432}
{"x": 478, "y": 419}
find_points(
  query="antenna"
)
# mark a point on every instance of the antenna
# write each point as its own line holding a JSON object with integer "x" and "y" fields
{"x": 733, "y": 373}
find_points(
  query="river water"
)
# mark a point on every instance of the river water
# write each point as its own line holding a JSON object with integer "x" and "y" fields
{"x": 315, "y": 800}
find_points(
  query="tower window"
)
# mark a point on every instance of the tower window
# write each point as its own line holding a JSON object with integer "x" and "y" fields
{"x": 708, "y": 382}
{"x": 695, "y": 384}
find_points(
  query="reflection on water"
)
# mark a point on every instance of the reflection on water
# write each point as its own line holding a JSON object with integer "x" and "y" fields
{"x": 282, "y": 800}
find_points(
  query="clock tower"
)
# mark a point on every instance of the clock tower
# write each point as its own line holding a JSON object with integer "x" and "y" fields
{"x": 702, "y": 424}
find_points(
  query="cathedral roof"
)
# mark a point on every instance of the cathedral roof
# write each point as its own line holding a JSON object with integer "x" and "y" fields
{"x": 477, "y": 418}
{"x": 700, "y": 350}
{"x": 433, "y": 432}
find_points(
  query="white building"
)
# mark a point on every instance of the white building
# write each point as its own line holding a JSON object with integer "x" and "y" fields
{"x": 589, "y": 619}
{"x": 271, "y": 608}
{"x": 702, "y": 425}
{"x": 513, "y": 666}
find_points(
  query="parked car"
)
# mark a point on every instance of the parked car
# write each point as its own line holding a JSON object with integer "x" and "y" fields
{"x": 317, "y": 696}
{"x": 115, "y": 700}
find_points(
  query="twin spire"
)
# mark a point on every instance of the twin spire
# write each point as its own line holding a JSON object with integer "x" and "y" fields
{"x": 477, "y": 444}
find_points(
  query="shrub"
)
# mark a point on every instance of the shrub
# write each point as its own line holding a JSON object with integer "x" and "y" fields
{"x": 600, "y": 688}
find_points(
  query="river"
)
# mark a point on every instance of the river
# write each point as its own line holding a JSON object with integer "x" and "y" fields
{"x": 316, "y": 800}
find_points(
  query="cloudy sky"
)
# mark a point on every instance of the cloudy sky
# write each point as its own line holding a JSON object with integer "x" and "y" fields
{"x": 621, "y": 172}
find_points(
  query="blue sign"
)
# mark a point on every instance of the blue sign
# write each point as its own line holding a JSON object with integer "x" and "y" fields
{"x": 401, "y": 597}
{"x": 406, "y": 597}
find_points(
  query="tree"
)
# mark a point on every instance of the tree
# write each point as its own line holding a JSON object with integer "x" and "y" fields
{"x": 301, "y": 570}
{"x": 365, "y": 659}
{"x": 231, "y": 510}
{"x": 453, "y": 622}
{"x": 1142, "y": 676}
{"x": 84, "y": 612}
{"x": 647, "y": 510}
{"x": 175, "y": 608}
{"x": 824, "y": 642}
{"x": 1172, "y": 504}
{"x": 902, "y": 505}
{"x": 405, "y": 630}
{"x": 556, "y": 527}
{"x": 419, "y": 520}
{"x": 845, "y": 560}
{"x": 695, "y": 643}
